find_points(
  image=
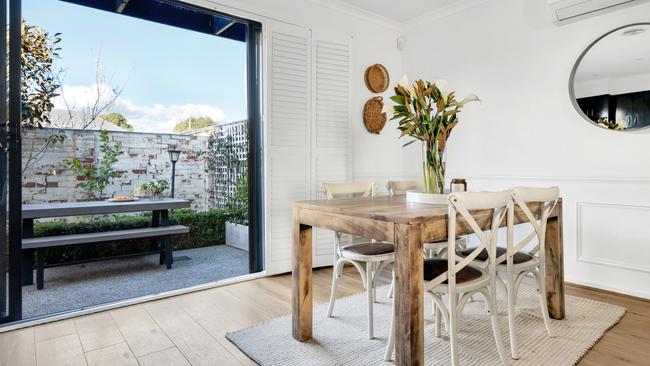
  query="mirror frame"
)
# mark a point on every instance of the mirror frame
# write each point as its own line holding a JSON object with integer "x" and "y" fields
{"x": 574, "y": 69}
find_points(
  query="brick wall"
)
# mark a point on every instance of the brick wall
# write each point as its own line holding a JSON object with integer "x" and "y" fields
{"x": 145, "y": 157}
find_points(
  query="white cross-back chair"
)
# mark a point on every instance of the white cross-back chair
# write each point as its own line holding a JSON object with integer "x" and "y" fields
{"x": 398, "y": 187}
{"x": 374, "y": 255}
{"x": 457, "y": 279}
{"x": 534, "y": 261}
{"x": 515, "y": 263}
{"x": 431, "y": 250}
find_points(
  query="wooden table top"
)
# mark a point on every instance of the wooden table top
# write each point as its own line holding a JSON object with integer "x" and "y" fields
{"x": 391, "y": 209}
{"x": 381, "y": 208}
{"x": 42, "y": 210}
{"x": 396, "y": 210}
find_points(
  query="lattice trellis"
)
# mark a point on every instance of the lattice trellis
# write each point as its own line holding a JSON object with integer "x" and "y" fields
{"x": 228, "y": 160}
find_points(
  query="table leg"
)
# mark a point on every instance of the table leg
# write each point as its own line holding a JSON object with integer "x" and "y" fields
{"x": 28, "y": 254}
{"x": 169, "y": 254}
{"x": 409, "y": 295}
{"x": 302, "y": 280}
{"x": 555, "y": 266}
{"x": 166, "y": 247}
{"x": 40, "y": 269}
{"x": 155, "y": 222}
{"x": 28, "y": 267}
{"x": 161, "y": 259}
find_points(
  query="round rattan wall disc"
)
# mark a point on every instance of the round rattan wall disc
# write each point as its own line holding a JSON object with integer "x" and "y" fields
{"x": 373, "y": 117}
{"x": 377, "y": 78}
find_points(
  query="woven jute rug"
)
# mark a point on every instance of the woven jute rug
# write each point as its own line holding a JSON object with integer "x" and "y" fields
{"x": 343, "y": 340}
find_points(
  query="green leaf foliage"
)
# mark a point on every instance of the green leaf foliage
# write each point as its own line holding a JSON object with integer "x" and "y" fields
{"x": 193, "y": 123}
{"x": 206, "y": 229}
{"x": 154, "y": 188}
{"x": 239, "y": 204}
{"x": 118, "y": 120}
{"x": 39, "y": 84}
{"x": 94, "y": 177}
{"x": 426, "y": 113}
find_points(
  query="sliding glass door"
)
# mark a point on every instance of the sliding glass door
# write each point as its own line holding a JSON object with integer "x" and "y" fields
{"x": 10, "y": 163}
{"x": 255, "y": 141}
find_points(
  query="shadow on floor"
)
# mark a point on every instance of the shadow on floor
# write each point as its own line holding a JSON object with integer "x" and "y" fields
{"x": 83, "y": 285}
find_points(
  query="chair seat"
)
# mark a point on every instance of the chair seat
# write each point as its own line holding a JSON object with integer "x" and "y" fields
{"x": 460, "y": 242}
{"x": 369, "y": 249}
{"x": 518, "y": 258}
{"x": 435, "y": 267}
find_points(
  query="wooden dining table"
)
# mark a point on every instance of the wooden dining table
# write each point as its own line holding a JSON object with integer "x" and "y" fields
{"x": 408, "y": 226}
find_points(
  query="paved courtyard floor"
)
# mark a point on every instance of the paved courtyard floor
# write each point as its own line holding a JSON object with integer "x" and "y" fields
{"x": 80, "y": 286}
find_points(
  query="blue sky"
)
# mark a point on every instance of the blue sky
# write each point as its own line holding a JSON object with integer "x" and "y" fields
{"x": 166, "y": 73}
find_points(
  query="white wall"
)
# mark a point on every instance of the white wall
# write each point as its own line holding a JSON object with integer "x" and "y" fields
{"x": 527, "y": 132}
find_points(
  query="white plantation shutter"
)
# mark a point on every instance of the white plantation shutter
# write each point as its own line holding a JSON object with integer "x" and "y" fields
{"x": 289, "y": 136}
{"x": 330, "y": 132}
{"x": 308, "y": 132}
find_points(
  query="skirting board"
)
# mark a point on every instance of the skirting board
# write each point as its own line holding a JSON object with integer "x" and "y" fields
{"x": 645, "y": 296}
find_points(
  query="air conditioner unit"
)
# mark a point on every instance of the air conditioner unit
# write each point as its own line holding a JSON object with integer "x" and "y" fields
{"x": 568, "y": 10}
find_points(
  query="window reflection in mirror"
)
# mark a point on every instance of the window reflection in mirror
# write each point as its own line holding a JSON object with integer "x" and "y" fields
{"x": 610, "y": 84}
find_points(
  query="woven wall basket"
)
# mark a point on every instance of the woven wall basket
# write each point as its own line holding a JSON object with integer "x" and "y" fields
{"x": 377, "y": 78}
{"x": 373, "y": 118}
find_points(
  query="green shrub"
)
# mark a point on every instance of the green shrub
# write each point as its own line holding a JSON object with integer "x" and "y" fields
{"x": 206, "y": 229}
{"x": 96, "y": 177}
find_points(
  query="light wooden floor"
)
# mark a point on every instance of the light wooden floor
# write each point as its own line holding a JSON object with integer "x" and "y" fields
{"x": 190, "y": 329}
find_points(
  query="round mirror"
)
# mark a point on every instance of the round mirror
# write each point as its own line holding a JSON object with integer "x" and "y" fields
{"x": 610, "y": 82}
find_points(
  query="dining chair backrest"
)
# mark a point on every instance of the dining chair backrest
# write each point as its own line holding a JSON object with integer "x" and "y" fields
{"x": 348, "y": 190}
{"x": 397, "y": 187}
{"x": 521, "y": 196}
{"x": 460, "y": 203}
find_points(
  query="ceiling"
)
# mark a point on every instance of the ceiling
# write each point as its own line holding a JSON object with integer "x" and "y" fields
{"x": 174, "y": 15}
{"x": 617, "y": 55}
{"x": 400, "y": 11}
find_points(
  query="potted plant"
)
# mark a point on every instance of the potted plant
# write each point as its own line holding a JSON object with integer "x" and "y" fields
{"x": 427, "y": 112}
{"x": 237, "y": 224}
{"x": 154, "y": 189}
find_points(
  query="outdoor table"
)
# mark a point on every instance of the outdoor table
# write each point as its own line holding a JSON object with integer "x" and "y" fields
{"x": 408, "y": 226}
{"x": 30, "y": 212}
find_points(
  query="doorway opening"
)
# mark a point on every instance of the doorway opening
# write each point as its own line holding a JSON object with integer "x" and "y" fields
{"x": 148, "y": 136}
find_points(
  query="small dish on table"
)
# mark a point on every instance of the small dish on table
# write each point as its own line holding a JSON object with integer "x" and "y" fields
{"x": 123, "y": 199}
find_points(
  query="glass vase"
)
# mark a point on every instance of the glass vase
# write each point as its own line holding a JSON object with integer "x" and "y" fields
{"x": 433, "y": 166}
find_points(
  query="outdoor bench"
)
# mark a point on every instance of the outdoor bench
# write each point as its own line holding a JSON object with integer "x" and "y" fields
{"x": 160, "y": 229}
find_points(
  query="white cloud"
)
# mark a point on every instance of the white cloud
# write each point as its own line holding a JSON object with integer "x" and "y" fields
{"x": 79, "y": 97}
{"x": 146, "y": 118}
